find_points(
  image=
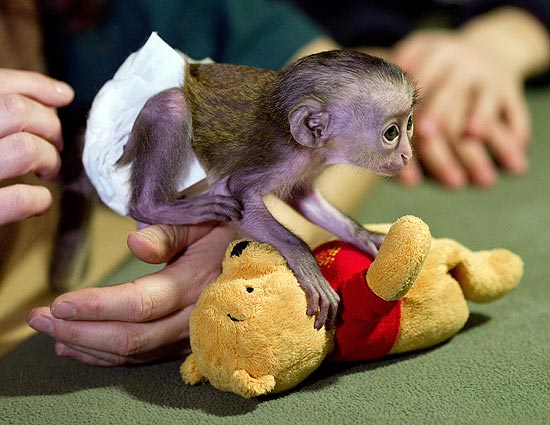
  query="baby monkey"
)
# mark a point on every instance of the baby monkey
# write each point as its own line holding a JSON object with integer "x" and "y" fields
{"x": 257, "y": 132}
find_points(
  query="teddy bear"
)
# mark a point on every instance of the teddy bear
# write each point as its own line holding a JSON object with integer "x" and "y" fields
{"x": 250, "y": 333}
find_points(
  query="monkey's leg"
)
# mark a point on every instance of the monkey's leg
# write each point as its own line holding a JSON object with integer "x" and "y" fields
{"x": 160, "y": 153}
{"x": 259, "y": 224}
{"x": 195, "y": 210}
{"x": 313, "y": 206}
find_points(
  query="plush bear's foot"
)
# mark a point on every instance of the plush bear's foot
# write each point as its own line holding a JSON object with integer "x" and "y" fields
{"x": 487, "y": 275}
{"x": 189, "y": 371}
{"x": 400, "y": 258}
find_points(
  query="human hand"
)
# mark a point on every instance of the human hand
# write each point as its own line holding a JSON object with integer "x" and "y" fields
{"x": 30, "y": 139}
{"x": 473, "y": 115}
{"x": 146, "y": 319}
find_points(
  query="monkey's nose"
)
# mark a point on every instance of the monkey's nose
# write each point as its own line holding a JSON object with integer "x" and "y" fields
{"x": 405, "y": 158}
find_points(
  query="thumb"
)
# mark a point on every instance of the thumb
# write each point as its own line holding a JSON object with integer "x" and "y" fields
{"x": 159, "y": 243}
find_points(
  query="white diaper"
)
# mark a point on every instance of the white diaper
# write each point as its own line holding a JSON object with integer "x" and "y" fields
{"x": 153, "y": 68}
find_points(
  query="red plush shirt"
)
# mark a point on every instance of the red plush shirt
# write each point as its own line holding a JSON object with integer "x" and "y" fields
{"x": 368, "y": 326}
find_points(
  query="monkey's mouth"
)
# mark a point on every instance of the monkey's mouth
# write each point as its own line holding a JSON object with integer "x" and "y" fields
{"x": 234, "y": 319}
{"x": 390, "y": 170}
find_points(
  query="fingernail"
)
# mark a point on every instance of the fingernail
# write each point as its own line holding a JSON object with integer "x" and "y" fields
{"x": 62, "y": 350}
{"x": 64, "y": 88}
{"x": 63, "y": 310}
{"x": 42, "y": 324}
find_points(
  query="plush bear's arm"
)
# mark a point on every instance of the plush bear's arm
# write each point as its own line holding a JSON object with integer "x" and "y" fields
{"x": 190, "y": 371}
{"x": 248, "y": 386}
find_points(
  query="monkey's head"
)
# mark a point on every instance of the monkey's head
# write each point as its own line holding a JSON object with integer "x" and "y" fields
{"x": 352, "y": 107}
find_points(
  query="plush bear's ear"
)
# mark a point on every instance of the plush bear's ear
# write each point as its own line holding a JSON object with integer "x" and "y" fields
{"x": 309, "y": 123}
{"x": 239, "y": 248}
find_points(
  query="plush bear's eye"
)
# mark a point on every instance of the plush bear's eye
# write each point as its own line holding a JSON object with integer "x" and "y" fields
{"x": 249, "y": 289}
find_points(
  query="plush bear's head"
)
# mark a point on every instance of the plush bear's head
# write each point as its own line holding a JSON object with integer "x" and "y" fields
{"x": 253, "y": 320}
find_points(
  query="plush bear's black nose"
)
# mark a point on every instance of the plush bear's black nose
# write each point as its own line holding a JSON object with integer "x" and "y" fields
{"x": 239, "y": 248}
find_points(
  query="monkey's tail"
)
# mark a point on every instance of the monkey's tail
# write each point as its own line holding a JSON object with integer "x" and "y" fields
{"x": 72, "y": 246}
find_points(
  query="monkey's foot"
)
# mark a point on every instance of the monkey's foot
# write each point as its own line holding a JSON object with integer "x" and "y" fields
{"x": 190, "y": 210}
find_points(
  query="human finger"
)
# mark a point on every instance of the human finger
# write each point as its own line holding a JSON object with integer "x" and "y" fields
{"x": 438, "y": 158}
{"x": 484, "y": 111}
{"x": 508, "y": 153}
{"x": 24, "y": 153}
{"x": 411, "y": 175}
{"x": 19, "y": 201}
{"x": 504, "y": 105}
{"x": 37, "y": 86}
{"x": 159, "y": 243}
{"x": 104, "y": 359}
{"x": 109, "y": 341}
{"x": 155, "y": 295}
{"x": 516, "y": 114}
{"x": 507, "y": 142}
{"x": 19, "y": 113}
{"x": 67, "y": 350}
{"x": 477, "y": 162}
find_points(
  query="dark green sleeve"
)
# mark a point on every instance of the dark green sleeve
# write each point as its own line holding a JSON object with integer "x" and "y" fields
{"x": 265, "y": 33}
{"x": 262, "y": 33}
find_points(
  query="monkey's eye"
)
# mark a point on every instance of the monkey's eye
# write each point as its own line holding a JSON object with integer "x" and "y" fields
{"x": 249, "y": 289}
{"x": 391, "y": 133}
{"x": 410, "y": 123}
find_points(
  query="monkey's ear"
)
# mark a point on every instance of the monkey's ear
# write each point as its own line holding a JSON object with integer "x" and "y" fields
{"x": 309, "y": 124}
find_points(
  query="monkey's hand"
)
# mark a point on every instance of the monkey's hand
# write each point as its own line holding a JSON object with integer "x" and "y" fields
{"x": 312, "y": 205}
{"x": 367, "y": 241}
{"x": 258, "y": 223}
{"x": 323, "y": 300}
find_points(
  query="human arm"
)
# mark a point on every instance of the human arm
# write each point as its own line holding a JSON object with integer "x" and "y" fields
{"x": 30, "y": 139}
{"x": 474, "y": 108}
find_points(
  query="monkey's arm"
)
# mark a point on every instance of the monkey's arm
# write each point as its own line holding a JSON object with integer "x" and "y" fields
{"x": 259, "y": 224}
{"x": 330, "y": 182}
{"x": 313, "y": 206}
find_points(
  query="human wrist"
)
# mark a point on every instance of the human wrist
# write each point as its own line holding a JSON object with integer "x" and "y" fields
{"x": 513, "y": 38}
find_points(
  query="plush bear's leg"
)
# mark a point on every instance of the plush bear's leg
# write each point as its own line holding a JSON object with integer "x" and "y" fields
{"x": 400, "y": 258}
{"x": 487, "y": 275}
{"x": 189, "y": 371}
{"x": 435, "y": 308}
